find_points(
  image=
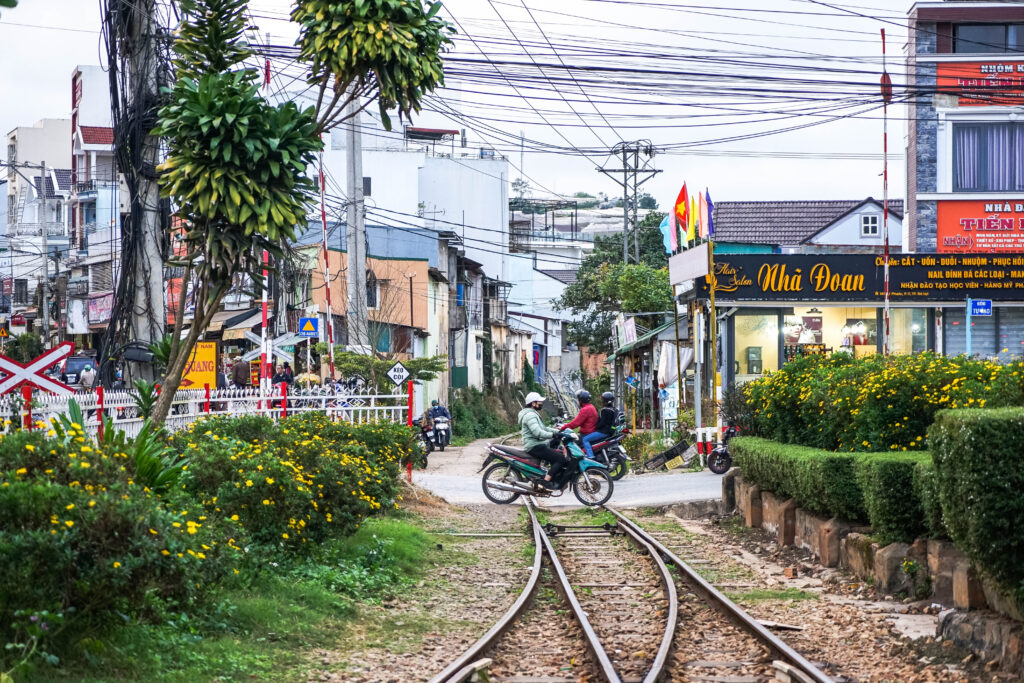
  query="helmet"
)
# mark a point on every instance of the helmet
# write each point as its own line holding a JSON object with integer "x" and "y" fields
{"x": 533, "y": 397}
{"x": 434, "y": 402}
{"x": 88, "y": 367}
{"x": 583, "y": 396}
{"x": 608, "y": 397}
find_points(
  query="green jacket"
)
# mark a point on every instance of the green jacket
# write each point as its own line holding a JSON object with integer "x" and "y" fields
{"x": 534, "y": 431}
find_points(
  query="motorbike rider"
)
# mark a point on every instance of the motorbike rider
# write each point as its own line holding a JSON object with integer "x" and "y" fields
{"x": 586, "y": 420}
{"x": 606, "y": 421}
{"x": 536, "y": 437}
{"x": 437, "y": 410}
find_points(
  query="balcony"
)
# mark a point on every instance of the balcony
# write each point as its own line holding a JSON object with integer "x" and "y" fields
{"x": 496, "y": 311}
{"x": 36, "y": 229}
{"x": 85, "y": 187}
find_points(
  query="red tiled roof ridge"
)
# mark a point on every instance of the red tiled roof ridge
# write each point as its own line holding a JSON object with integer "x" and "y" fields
{"x": 97, "y": 135}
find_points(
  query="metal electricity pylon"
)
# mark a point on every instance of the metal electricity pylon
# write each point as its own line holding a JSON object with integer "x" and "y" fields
{"x": 636, "y": 167}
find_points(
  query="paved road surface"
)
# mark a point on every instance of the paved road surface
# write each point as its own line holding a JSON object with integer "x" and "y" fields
{"x": 453, "y": 475}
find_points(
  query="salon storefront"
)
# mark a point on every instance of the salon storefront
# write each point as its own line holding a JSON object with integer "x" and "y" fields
{"x": 774, "y": 307}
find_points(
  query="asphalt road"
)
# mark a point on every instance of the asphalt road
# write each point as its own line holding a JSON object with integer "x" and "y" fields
{"x": 453, "y": 475}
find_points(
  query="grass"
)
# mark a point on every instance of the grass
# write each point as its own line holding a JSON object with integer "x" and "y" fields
{"x": 264, "y": 625}
{"x": 763, "y": 594}
{"x": 734, "y": 525}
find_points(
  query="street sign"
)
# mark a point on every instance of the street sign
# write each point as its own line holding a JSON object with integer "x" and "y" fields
{"x": 3, "y": 331}
{"x": 398, "y": 373}
{"x": 309, "y": 327}
{"x": 32, "y": 374}
{"x": 202, "y": 366}
{"x": 277, "y": 346}
{"x": 981, "y": 306}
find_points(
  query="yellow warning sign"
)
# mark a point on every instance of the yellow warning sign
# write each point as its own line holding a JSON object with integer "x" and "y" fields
{"x": 309, "y": 327}
{"x": 3, "y": 331}
{"x": 202, "y": 367}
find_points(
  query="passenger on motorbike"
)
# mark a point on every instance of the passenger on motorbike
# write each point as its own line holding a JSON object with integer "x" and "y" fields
{"x": 536, "y": 436}
{"x": 586, "y": 420}
{"x": 609, "y": 416}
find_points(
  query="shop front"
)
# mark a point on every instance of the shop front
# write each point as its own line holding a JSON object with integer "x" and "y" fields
{"x": 774, "y": 307}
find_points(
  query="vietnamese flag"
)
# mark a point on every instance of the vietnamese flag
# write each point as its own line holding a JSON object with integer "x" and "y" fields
{"x": 682, "y": 209}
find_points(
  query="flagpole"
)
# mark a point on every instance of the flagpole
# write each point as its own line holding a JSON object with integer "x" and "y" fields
{"x": 886, "y": 97}
{"x": 713, "y": 322}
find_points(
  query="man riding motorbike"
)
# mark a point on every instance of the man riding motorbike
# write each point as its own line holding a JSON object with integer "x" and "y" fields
{"x": 435, "y": 411}
{"x": 586, "y": 420}
{"x": 536, "y": 437}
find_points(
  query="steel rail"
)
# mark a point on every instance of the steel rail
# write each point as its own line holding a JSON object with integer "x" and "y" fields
{"x": 654, "y": 673}
{"x": 462, "y": 668}
{"x": 714, "y": 597}
{"x": 603, "y": 661}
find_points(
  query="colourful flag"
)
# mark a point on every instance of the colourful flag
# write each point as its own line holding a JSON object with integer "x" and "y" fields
{"x": 668, "y": 236}
{"x": 691, "y": 222}
{"x": 703, "y": 217}
{"x": 673, "y": 227}
{"x": 711, "y": 215}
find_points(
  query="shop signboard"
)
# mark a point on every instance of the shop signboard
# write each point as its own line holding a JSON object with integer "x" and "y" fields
{"x": 980, "y": 226}
{"x": 688, "y": 265}
{"x": 100, "y": 307}
{"x": 202, "y": 366}
{"x": 860, "y": 277}
{"x": 976, "y": 84}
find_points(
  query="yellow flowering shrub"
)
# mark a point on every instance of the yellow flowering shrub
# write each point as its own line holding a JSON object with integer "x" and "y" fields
{"x": 875, "y": 403}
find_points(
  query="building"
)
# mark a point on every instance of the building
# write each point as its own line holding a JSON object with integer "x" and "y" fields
{"x": 965, "y": 145}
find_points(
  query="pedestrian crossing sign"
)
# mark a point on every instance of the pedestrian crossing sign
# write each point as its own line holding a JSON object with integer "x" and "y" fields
{"x": 309, "y": 327}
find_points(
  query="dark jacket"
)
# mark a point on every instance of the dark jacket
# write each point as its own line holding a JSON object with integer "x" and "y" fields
{"x": 240, "y": 374}
{"x": 606, "y": 421}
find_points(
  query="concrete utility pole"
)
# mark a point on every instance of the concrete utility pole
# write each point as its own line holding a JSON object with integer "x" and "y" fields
{"x": 637, "y": 167}
{"x": 43, "y": 229}
{"x": 149, "y": 315}
{"x": 355, "y": 234}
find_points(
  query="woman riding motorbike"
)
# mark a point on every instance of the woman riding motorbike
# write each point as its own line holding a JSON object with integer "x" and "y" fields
{"x": 536, "y": 437}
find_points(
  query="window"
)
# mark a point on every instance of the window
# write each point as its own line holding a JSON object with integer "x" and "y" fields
{"x": 869, "y": 226}
{"x": 989, "y": 38}
{"x": 372, "y": 291}
{"x": 988, "y": 157}
{"x": 21, "y": 291}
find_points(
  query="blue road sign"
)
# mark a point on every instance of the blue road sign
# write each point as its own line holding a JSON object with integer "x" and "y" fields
{"x": 981, "y": 306}
{"x": 309, "y": 327}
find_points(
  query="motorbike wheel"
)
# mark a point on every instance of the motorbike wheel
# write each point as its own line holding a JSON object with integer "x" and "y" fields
{"x": 440, "y": 446}
{"x": 617, "y": 470}
{"x": 592, "y": 487}
{"x": 719, "y": 461}
{"x": 505, "y": 474}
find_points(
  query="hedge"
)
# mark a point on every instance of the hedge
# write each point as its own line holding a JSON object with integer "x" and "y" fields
{"x": 893, "y": 492}
{"x": 979, "y": 463}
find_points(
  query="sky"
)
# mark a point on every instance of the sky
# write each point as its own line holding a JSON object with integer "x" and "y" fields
{"x": 682, "y": 63}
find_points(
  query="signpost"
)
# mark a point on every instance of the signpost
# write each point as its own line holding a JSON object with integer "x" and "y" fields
{"x": 398, "y": 373}
{"x": 32, "y": 375}
{"x": 310, "y": 329}
{"x": 982, "y": 307}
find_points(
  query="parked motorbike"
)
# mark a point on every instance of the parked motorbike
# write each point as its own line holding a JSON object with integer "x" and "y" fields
{"x": 612, "y": 454}
{"x": 720, "y": 459}
{"x": 441, "y": 434}
{"x": 425, "y": 443}
{"x": 515, "y": 473}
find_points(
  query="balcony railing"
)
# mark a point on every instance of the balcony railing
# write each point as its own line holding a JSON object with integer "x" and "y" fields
{"x": 36, "y": 229}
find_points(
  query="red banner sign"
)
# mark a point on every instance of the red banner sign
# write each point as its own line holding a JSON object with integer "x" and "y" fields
{"x": 982, "y": 83}
{"x": 980, "y": 226}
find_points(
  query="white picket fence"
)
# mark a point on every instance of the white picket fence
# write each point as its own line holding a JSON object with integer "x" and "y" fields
{"x": 191, "y": 405}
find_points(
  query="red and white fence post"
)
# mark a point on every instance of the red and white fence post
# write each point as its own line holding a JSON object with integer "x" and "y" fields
{"x": 206, "y": 403}
{"x": 100, "y": 414}
{"x": 284, "y": 399}
{"x": 26, "y": 395}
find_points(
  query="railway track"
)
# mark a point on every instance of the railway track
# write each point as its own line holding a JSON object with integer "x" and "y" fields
{"x": 637, "y": 613}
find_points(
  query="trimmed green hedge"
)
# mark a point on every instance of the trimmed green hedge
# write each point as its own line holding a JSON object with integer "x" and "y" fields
{"x": 894, "y": 493}
{"x": 979, "y": 463}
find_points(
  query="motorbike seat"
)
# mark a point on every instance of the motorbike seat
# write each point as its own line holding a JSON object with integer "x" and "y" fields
{"x": 519, "y": 454}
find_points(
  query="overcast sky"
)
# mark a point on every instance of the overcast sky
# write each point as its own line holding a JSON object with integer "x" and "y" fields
{"x": 42, "y": 40}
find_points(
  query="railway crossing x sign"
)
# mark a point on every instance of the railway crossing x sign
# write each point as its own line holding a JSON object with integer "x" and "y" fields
{"x": 16, "y": 374}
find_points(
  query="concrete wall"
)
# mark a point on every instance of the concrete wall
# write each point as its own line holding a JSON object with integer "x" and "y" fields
{"x": 94, "y": 106}
{"x": 847, "y": 231}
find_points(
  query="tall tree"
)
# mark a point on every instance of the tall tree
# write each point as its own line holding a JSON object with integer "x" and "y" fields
{"x": 235, "y": 168}
{"x": 605, "y": 286}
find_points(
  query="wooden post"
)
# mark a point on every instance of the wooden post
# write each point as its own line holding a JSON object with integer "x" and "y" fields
{"x": 26, "y": 395}
{"x": 99, "y": 403}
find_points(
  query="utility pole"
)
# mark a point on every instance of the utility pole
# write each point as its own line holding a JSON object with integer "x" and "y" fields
{"x": 141, "y": 42}
{"x": 637, "y": 167}
{"x": 46, "y": 256}
{"x": 355, "y": 233}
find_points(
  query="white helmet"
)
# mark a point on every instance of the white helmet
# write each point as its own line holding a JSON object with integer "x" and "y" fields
{"x": 533, "y": 397}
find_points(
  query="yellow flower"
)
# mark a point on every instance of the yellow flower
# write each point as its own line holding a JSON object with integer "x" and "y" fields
{"x": 284, "y": 536}
{"x": 234, "y": 518}
{"x": 153, "y": 531}
{"x": 266, "y": 502}
{"x": 69, "y": 523}
{"x": 29, "y": 447}
{"x": 117, "y": 565}
{"x": 21, "y": 470}
{"x": 165, "y": 552}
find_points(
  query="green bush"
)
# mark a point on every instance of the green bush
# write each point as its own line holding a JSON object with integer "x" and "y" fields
{"x": 893, "y": 492}
{"x": 475, "y": 415}
{"x": 926, "y": 487}
{"x": 891, "y": 499}
{"x": 875, "y": 403}
{"x": 979, "y": 463}
{"x": 80, "y": 534}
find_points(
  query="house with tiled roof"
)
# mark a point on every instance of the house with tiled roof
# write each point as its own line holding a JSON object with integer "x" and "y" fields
{"x": 806, "y": 226}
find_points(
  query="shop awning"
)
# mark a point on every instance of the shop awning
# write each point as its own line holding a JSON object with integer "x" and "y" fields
{"x": 238, "y": 329}
{"x": 641, "y": 341}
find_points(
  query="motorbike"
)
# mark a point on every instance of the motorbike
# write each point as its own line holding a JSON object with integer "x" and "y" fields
{"x": 612, "y": 454}
{"x": 515, "y": 473}
{"x": 720, "y": 460}
{"x": 441, "y": 434}
{"x": 423, "y": 440}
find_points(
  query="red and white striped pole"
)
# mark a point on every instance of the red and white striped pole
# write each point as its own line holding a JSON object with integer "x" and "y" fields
{"x": 327, "y": 273}
{"x": 99, "y": 403}
{"x": 264, "y": 369}
{"x": 886, "y": 98}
